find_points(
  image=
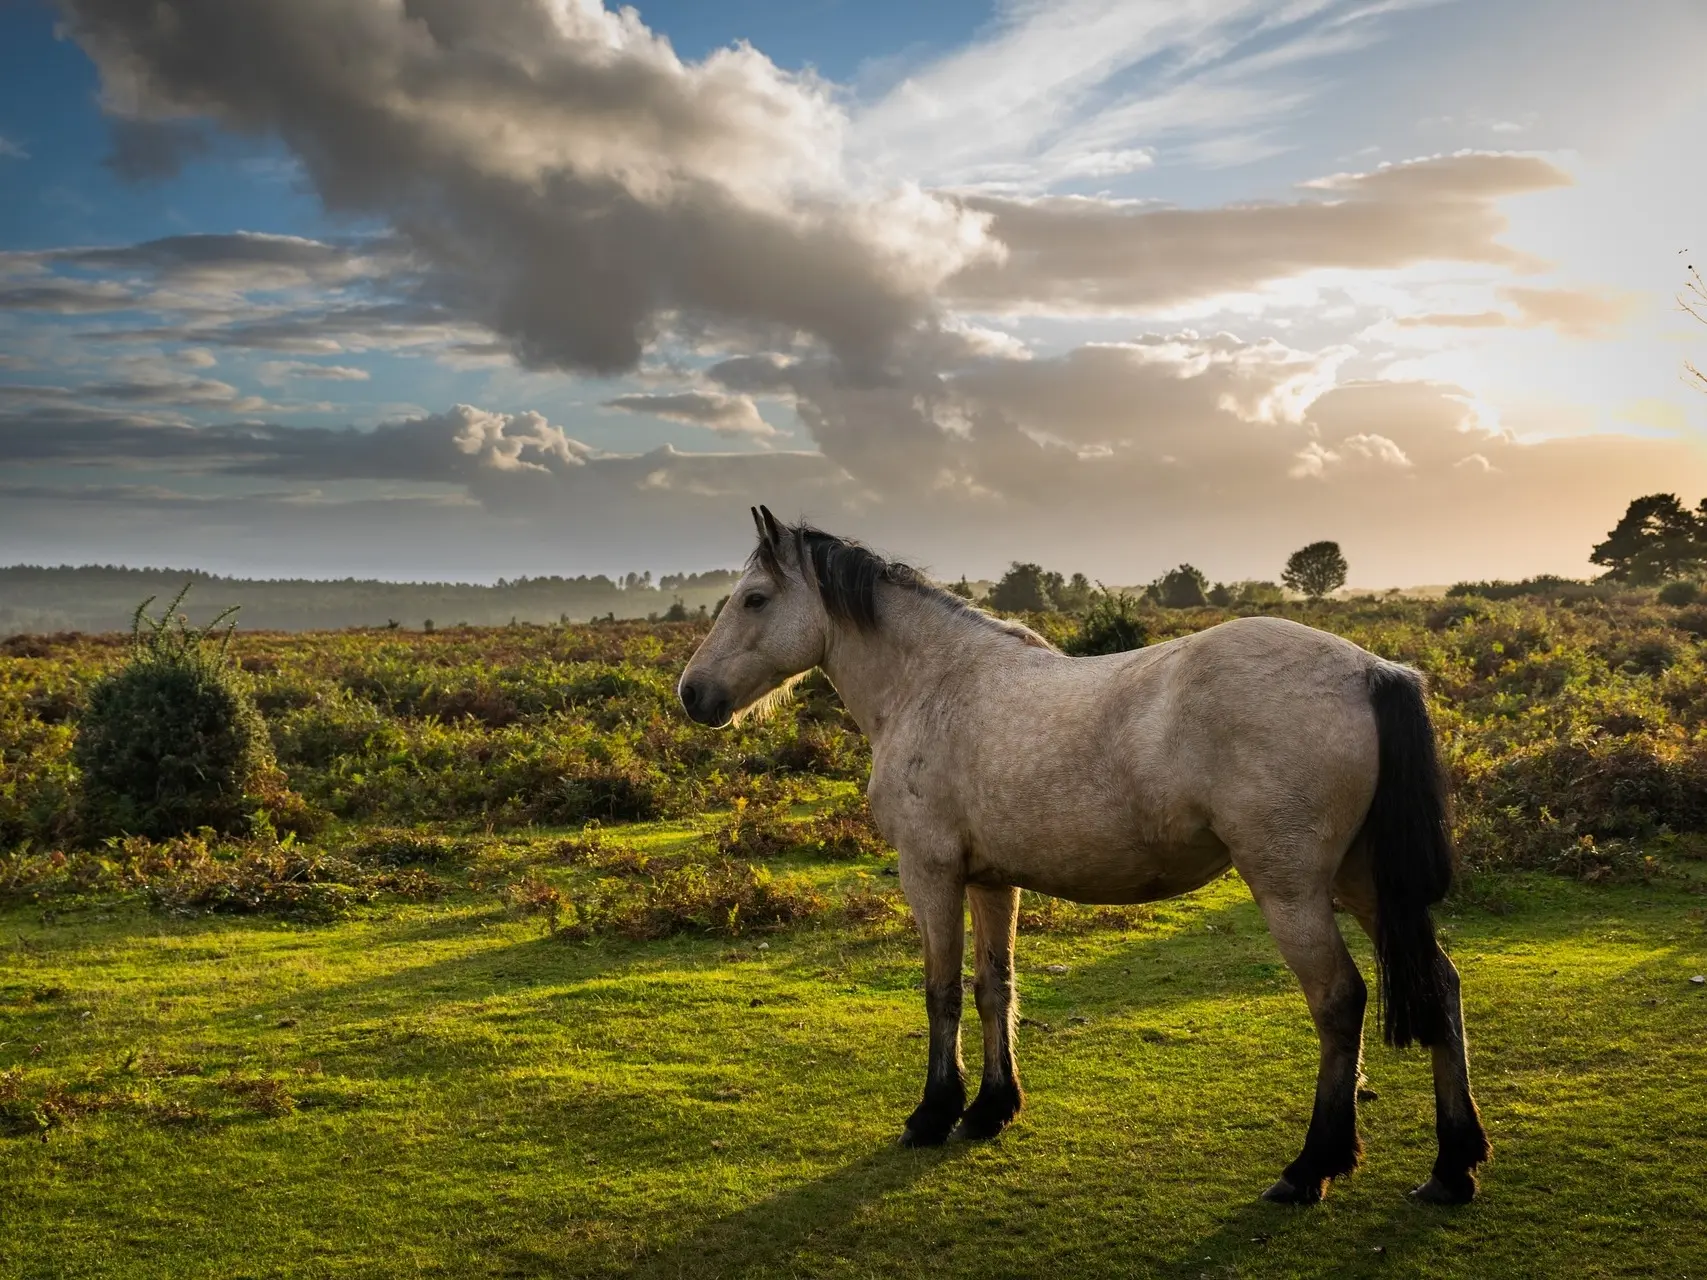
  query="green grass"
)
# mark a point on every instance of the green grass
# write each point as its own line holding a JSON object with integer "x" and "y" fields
{"x": 457, "y": 1093}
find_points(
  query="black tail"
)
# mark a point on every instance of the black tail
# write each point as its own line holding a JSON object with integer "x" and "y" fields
{"x": 1409, "y": 837}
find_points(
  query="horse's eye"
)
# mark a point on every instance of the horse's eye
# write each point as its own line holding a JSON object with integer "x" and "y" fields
{"x": 754, "y": 600}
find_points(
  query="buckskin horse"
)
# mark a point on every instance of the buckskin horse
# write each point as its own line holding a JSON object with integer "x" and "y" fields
{"x": 999, "y": 763}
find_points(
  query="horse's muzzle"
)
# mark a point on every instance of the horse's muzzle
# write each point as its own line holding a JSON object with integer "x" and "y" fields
{"x": 705, "y": 702}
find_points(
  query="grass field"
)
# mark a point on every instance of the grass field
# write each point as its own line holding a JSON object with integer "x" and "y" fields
{"x": 449, "y": 1089}
{"x": 416, "y": 1018}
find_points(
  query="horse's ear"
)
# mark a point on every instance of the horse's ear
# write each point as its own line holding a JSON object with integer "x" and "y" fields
{"x": 759, "y": 524}
{"x": 771, "y": 529}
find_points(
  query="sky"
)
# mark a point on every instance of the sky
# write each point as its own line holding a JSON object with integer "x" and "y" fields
{"x": 469, "y": 289}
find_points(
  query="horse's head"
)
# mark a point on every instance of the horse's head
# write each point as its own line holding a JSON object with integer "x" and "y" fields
{"x": 773, "y": 627}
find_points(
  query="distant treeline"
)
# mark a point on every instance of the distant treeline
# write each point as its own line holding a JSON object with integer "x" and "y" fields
{"x": 1544, "y": 586}
{"x": 103, "y": 598}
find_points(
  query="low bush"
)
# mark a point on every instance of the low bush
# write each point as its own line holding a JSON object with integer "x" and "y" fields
{"x": 1683, "y": 591}
{"x": 172, "y": 741}
{"x": 1039, "y": 913}
{"x": 724, "y": 898}
{"x": 1544, "y": 586}
{"x": 1564, "y": 720}
{"x": 1112, "y": 624}
{"x": 841, "y": 831}
{"x": 190, "y": 874}
{"x": 411, "y": 848}
{"x": 756, "y": 832}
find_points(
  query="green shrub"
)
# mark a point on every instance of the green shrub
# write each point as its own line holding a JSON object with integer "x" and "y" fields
{"x": 843, "y": 830}
{"x": 1683, "y": 591}
{"x": 723, "y": 898}
{"x": 1257, "y": 594}
{"x": 1454, "y": 610}
{"x": 1111, "y": 625}
{"x": 1545, "y": 586}
{"x": 1182, "y": 588}
{"x": 187, "y": 874}
{"x": 172, "y": 741}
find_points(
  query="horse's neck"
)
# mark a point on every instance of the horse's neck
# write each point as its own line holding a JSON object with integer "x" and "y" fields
{"x": 880, "y": 673}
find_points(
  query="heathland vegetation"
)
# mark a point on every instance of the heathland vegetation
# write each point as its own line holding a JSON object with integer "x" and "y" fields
{"x": 1575, "y": 727}
{"x": 102, "y": 597}
{"x": 483, "y": 959}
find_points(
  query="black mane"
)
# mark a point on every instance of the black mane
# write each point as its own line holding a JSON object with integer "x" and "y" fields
{"x": 847, "y": 575}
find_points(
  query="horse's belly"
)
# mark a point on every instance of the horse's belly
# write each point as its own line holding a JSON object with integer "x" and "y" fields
{"x": 1116, "y": 875}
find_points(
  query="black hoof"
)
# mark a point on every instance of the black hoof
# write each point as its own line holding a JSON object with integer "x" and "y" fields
{"x": 1283, "y": 1192}
{"x": 991, "y": 1112}
{"x": 926, "y": 1134}
{"x": 1447, "y": 1191}
{"x": 932, "y": 1121}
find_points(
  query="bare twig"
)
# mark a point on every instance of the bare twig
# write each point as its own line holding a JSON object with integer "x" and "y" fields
{"x": 1693, "y": 300}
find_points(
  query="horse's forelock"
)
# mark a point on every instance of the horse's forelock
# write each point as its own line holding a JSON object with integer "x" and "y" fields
{"x": 765, "y": 554}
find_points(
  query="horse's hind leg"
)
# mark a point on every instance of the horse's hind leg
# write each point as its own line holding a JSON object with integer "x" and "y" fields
{"x": 939, "y": 908}
{"x": 1304, "y": 929}
{"x": 995, "y": 916}
{"x": 1457, "y": 1122}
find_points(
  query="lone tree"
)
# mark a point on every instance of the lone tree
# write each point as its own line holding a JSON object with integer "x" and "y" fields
{"x": 1658, "y": 538}
{"x": 1316, "y": 570}
{"x": 1024, "y": 588}
{"x": 1073, "y": 596}
{"x": 1183, "y": 588}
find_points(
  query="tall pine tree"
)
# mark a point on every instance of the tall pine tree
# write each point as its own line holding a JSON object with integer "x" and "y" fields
{"x": 1658, "y": 538}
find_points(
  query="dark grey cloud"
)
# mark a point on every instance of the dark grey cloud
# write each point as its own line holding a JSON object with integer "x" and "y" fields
{"x": 504, "y": 459}
{"x": 181, "y": 391}
{"x": 195, "y": 274}
{"x": 562, "y": 176}
{"x": 245, "y": 259}
{"x": 66, "y": 297}
{"x": 308, "y": 330}
{"x": 452, "y": 448}
{"x": 150, "y": 384}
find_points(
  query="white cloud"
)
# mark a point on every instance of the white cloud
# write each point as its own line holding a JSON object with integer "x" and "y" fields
{"x": 273, "y": 373}
{"x": 727, "y": 415}
{"x": 1054, "y": 86}
{"x": 1077, "y": 254}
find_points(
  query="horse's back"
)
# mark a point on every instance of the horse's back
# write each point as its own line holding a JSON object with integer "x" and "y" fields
{"x": 1256, "y": 722}
{"x": 1141, "y": 774}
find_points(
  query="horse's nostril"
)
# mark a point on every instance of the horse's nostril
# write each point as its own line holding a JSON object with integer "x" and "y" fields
{"x": 690, "y": 696}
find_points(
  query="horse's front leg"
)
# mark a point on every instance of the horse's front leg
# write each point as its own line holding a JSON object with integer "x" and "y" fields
{"x": 937, "y": 897}
{"x": 995, "y": 918}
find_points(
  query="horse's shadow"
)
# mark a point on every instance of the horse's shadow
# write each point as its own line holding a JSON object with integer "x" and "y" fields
{"x": 763, "y": 1236}
{"x": 1248, "y": 1233}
